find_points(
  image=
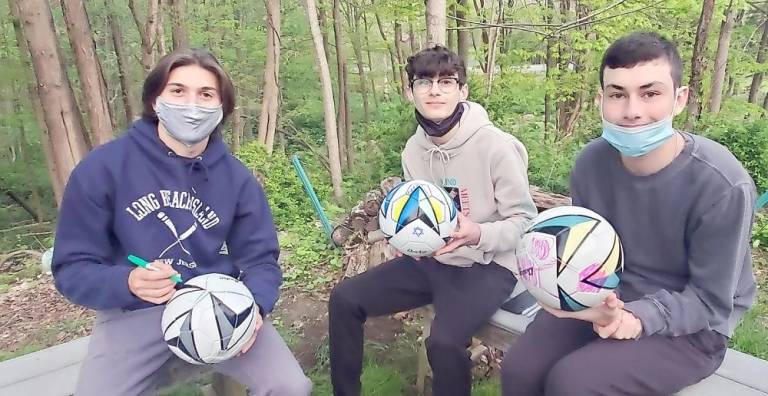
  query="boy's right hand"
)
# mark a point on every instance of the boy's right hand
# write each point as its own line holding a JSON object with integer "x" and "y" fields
{"x": 601, "y": 315}
{"x": 152, "y": 286}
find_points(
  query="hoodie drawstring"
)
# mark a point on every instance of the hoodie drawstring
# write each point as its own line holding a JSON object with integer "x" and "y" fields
{"x": 443, "y": 156}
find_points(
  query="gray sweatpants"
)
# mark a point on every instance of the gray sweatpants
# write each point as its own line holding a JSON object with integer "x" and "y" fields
{"x": 126, "y": 350}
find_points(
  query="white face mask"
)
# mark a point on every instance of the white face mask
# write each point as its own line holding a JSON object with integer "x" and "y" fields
{"x": 188, "y": 124}
{"x": 641, "y": 140}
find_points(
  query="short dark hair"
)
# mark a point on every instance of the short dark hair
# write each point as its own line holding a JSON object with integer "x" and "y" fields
{"x": 158, "y": 78}
{"x": 640, "y": 47}
{"x": 436, "y": 61}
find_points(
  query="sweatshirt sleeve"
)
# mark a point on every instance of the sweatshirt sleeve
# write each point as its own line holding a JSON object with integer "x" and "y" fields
{"x": 406, "y": 173}
{"x": 84, "y": 245}
{"x": 719, "y": 242}
{"x": 509, "y": 172}
{"x": 253, "y": 245}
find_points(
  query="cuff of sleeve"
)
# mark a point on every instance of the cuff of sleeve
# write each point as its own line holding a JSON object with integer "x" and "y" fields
{"x": 649, "y": 315}
{"x": 487, "y": 237}
{"x": 119, "y": 280}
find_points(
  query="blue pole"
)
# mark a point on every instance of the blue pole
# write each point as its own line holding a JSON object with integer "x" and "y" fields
{"x": 312, "y": 196}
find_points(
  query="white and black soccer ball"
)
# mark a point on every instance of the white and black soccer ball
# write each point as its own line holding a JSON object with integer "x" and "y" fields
{"x": 417, "y": 217}
{"x": 209, "y": 319}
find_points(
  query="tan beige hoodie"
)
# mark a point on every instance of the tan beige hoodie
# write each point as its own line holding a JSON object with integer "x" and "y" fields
{"x": 489, "y": 170}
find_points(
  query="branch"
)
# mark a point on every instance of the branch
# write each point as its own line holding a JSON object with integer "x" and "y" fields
{"x": 757, "y": 7}
{"x": 139, "y": 26}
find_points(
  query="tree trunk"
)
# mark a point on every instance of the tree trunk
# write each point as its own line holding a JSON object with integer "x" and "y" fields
{"x": 392, "y": 55}
{"x": 463, "y": 35}
{"x": 179, "y": 30}
{"x": 62, "y": 117}
{"x": 322, "y": 12}
{"x": 160, "y": 31}
{"x": 342, "y": 113}
{"x": 370, "y": 63}
{"x": 357, "y": 48}
{"x": 271, "y": 95}
{"x": 757, "y": 78}
{"x": 45, "y": 140}
{"x": 331, "y": 140}
{"x": 89, "y": 69}
{"x": 237, "y": 128}
{"x": 493, "y": 40}
{"x": 147, "y": 32}
{"x": 122, "y": 63}
{"x": 721, "y": 59}
{"x": 550, "y": 63}
{"x": 345, "y": 123}
{"x": 765, "y": 101}
{"x": 412, "y": 37}
{"x": 436, "y": 22}
{"x": 697, "y": 63}
{"x": 400, "y": 57}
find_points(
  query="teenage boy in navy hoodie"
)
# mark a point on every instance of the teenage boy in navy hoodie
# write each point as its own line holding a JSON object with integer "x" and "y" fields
{"x": 169, "y": 191}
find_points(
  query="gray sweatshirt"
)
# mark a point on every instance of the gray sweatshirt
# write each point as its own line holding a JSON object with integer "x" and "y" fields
{"x": 487, "y": 170}
{"x": 685, "y": 230}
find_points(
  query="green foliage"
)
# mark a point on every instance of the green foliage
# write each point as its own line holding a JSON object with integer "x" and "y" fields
{"x": 760, "y": 231}
{"x": 747, "y": 140}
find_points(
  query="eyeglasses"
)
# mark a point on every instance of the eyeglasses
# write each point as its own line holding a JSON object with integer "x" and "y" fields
{"x": 444, "y": 84}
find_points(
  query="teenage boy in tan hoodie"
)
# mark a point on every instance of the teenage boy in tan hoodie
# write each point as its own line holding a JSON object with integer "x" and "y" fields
{"x": 466, "y": 281}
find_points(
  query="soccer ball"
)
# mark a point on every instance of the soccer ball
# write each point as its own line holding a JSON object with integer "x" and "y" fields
{"x": 209, "y": 319}
{"x": 417, "y": 217}
{"x": 569, "y": 258}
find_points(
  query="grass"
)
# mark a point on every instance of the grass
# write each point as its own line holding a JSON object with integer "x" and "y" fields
{"x": 751, "y": 336}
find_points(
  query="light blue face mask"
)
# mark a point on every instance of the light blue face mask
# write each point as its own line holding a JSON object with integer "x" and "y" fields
{"x": 637, "y": 141}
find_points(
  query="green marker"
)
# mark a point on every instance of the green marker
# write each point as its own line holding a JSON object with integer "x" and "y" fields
{"x": 145, "y": 264}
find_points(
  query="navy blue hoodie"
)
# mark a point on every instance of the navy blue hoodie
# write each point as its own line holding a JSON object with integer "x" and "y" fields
{"x": 135, "y": 196}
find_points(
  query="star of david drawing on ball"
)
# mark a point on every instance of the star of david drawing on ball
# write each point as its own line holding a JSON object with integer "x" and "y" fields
{"x": 417, "y": 217}
{"x": 569, "y": 258}
{"x": 210, "y": 319}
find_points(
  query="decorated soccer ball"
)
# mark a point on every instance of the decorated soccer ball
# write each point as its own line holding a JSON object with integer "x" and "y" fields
{"x": 210, "y": 319}
{"x": 417, "y": 217}
{"x": 569, "y": 258}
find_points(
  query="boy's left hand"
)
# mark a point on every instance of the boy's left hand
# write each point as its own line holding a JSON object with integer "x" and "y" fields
{"x": 468, "y": 233}
{"x": 259, "y": 322}
{"x": 627, "y": 326}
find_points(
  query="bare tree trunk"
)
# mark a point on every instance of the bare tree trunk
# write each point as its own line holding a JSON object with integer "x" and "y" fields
{"x": 493, "y": 40}
{"x": 237, "y": 127}
{"x": 757, "y": 78}
{"x": 463, "y": 35}
{"x": 412, "y": 37}
{"x": 697, "y": 63}
{"x": 370, "y": 62}
{"x": 62, "y": 117}
{"x": 343, "y": 111}
{"x": 160, "y": 30}
{"x": 122, "y": 63}
{"x": 400, "y": 57}
{"x": 331, "y": 140}
{"x": 392, "y": 54}
{"x": 57, "y": 183}
{"x": 549, "y": 107}
{"x": 765, "y": 101}
{"x": 147, "y": 32}
{"x": 357, "y": 48}
{"x": 436, "y": 22}
{"x": 271, "y": 95}
{"x": 89, "y": 69}
{"x": 322, "y": 12}
{"x": 179, "y": 30}
{"x": 721, "y": 59}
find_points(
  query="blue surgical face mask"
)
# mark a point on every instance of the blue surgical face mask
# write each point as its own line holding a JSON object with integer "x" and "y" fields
{"x": 638, "y": 141}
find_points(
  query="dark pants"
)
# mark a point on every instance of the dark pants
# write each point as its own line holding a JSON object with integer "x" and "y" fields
{"x": 463, "y": 299}
{"x": 565, "y": 357}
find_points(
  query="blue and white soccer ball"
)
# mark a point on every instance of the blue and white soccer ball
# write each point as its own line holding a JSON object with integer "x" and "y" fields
{"x": 210, "y": 319}
{"x": 417, "y": 217}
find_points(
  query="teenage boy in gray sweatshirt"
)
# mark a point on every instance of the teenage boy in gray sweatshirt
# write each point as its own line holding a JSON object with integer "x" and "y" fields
{"x": 683, "y": 208}
{"x": 457, "y": 147}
